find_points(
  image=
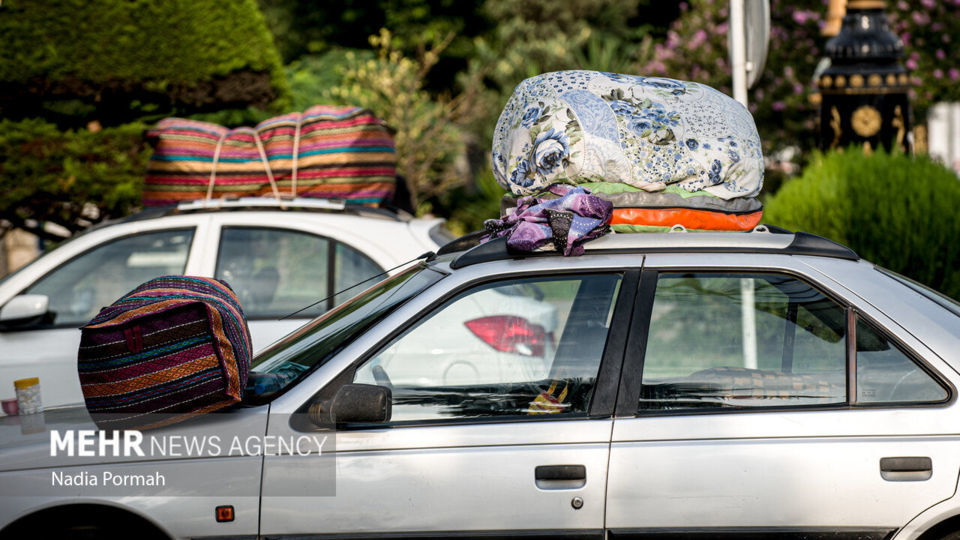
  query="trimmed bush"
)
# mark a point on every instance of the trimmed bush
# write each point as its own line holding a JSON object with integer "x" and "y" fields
{"x": 115, "y": 61}
{"x": 897, "y": 211}
{"x": 71, "y": 178}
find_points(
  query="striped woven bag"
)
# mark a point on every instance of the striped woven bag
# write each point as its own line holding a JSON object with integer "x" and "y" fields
{"x": 328, "y": 152}
{"x": 173, "y": 347}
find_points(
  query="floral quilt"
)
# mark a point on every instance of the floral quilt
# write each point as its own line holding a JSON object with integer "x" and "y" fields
{"x": 647, "y": 132}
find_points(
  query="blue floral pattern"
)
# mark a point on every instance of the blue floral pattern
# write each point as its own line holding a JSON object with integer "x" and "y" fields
{"x": 520, "y": 175}
{"x": 648, "y": 132}
{"x": 550, "y": 150}
{"x": 531, "y": 115}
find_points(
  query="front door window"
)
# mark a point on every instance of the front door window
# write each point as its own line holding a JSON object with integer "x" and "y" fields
{"x": 519, "y": 347}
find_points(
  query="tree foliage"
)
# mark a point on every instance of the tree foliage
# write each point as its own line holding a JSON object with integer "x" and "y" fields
{"x": 430, "y": 129}
{"x": 315, "y": 28}
{"x": 81, "y": 80}
{"x": 537, "y": 36}
{"x": 73, "y": 61}
{"x": 894, "y": 210}
{"x": 70, "y": 178}
{"x": 928, "y": 29}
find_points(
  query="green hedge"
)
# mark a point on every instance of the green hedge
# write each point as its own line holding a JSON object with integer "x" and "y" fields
{"x": 897, "y": 211}
{"x": 139, "y": 54}
{"x": 60, "y": 176}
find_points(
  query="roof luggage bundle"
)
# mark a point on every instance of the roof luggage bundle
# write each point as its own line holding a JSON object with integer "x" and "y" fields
{"x": 664, "y": 152}
{"x": 329, "y": 152}
{"x": 173, "y": 347}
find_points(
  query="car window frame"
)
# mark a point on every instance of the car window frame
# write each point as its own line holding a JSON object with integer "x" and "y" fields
{"x": 329, "y": 267}
{"x": 632, "y": 369}
{"x": 911, "y": 355}
{"x": 54, "y": 326}
{"x": 602, "y": 400}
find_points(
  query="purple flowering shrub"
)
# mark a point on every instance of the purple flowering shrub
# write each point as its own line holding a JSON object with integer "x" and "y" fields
{"x": 929, "y": 29}
{"x": 696, "y": 49}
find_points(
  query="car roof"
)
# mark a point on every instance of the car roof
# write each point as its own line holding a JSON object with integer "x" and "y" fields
{"x": 468, "y": 250}
{"x": 262, "y": 204}
{"x": 298, "y": 204}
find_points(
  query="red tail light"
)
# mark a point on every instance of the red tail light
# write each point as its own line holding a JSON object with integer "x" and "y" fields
{"x": 510, "y": 334}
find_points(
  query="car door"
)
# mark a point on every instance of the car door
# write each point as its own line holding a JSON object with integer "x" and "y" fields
{"x": 86, "y": 276}
{"x": 285, "y": 276}
{"x": 756, "y": 400}
{"x": 501, "y": 394}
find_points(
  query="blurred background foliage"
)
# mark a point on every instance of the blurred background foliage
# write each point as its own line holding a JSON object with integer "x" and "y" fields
{"x": 73, "y": 61}
{"x": 896, "y": 210}
{"x": 80, "y": 81}
{"x": 75, "y": 177}
{"x": 439, "y": 72}
{"x": 431, "y": 146}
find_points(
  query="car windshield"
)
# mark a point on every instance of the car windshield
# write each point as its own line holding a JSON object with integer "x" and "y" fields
{"x": 289, "y": 359}
{"x": 49, "y": 248}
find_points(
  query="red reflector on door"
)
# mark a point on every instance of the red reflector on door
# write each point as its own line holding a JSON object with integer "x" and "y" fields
{"x": 224, "y": 514}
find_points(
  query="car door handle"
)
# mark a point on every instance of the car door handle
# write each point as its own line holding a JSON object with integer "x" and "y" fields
{"x": 561, "y": 472}
{"x": 560, "y": 476}
{"x": 906, "y": 469}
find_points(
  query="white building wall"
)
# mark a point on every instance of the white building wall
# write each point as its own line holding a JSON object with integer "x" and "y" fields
{"x": 943, "y": 134}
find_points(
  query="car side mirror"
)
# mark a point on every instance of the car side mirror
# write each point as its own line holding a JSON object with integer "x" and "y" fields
{"x": 354, "y": 404}
{"x": 24, "y": 310}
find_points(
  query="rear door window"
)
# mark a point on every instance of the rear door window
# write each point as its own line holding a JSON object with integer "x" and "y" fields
{"x": 744, "y": 341}
{"x": 276, "y": 272}
{"x": 762, "y": 340}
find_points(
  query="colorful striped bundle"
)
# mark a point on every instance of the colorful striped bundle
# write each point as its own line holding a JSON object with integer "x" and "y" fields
{"x": 171, "y": 348}
{"x": 327, "y": 152}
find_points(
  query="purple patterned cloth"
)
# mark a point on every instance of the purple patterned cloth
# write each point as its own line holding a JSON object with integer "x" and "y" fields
{"x": 566, "y": 222}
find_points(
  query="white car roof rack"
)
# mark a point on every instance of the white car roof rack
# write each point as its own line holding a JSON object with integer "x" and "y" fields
{"x": 270, "y": 203}
{"x": 262, "y": 202}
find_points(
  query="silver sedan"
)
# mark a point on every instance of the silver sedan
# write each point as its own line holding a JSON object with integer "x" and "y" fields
{"x": 690, "y": 385}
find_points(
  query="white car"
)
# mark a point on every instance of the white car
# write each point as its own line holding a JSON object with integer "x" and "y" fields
{"x": 277, "y": 260}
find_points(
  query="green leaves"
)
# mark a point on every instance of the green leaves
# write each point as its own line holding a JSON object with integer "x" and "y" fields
{"x": 894, "y": 210}
{"x": 119, "y": 58}
{"x": 431, "y": 130}
{"x": 71, "y": 178}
